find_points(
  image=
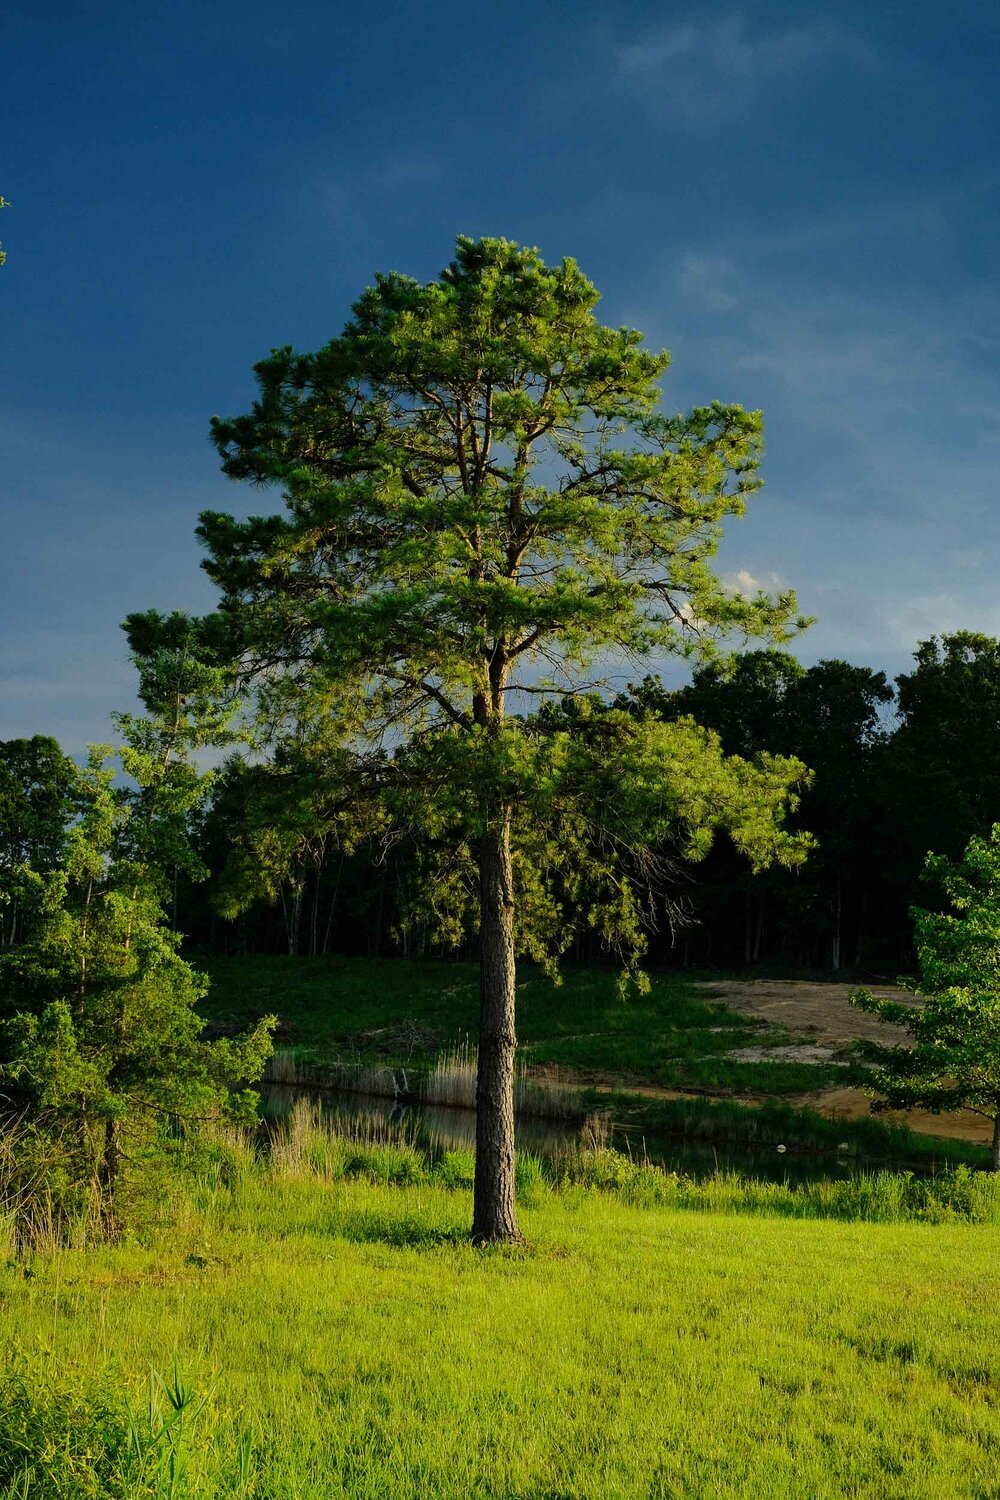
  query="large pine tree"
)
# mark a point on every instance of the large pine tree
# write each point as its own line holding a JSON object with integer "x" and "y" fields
{"x": 484, "y": 505}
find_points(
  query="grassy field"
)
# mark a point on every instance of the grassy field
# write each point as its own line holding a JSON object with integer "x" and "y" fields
{"x": 337, "y": 1008}
{"x": 320, "y": 1332}
{"x": 304, "y": 1318}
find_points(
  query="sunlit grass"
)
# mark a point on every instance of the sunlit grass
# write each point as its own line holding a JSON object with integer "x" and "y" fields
{"x": 345, "y": 1339}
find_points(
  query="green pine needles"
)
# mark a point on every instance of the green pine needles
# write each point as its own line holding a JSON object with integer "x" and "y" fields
{"x": 486, "y": 509}
{"x": 104, "y": 1042}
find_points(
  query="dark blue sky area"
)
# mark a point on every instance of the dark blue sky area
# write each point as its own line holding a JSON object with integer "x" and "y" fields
{"x": 801, "y": 203}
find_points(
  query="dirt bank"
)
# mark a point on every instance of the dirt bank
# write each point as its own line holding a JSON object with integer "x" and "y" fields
{"x": 823, "y": 1013}
{"x": 852, "y": 1104}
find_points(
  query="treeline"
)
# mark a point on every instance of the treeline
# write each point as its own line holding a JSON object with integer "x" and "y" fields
{"x": 896, "y": 770}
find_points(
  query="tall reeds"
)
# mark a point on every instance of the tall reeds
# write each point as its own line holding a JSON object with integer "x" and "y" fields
{"x": 33, "y": 1213}
{"x": 450, "y": 1082}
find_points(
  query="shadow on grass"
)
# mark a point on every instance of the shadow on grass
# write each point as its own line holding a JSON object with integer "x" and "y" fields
{"x": 409, "y": 1231}
{"x": 390, "y": 1227}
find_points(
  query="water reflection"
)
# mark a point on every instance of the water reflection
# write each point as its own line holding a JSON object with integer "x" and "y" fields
{"x": 439, "y": 1128}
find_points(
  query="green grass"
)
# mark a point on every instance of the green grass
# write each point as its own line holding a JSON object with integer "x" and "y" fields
{"x": 342, "y": 1338}
{"x": 365, "y": 1003}
{"x": 691, "y": 1059}
{"x": 335, "y": 1008}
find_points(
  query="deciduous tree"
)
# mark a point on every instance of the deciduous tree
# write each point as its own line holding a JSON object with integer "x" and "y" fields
{"x": 954, "y": 1059}
{"x": 830, "y": 717}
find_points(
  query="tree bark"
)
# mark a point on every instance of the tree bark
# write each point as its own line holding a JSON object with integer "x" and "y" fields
{"x": 996, "y": 1142}
{"x": 494, "y": 1218}
{"x": 758, "y": 931}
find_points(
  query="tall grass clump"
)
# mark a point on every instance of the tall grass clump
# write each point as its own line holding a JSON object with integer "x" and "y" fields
{"x": 958, "y": 1194}
{"x": 309, "y": 1143}
{"x": 452, "y": 1082}
{"x": 62, "y": 1440}
{"x": 42, "y": 1205}
{"x": 288, "y": 1068}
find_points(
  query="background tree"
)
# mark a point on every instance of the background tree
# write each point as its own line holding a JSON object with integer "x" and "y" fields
{"x": 954, "y": 1062}
{"x": 946, "y": 749}
{"x": 483, "y": 504}
{"x": 834, "y": 721}
{"x": 830, "y": 717}
{"x": 289, "y": 819}
{"x": 939, "y": 775}
{"x": 38, "y": 788}
{"x": 104, "y": 1038}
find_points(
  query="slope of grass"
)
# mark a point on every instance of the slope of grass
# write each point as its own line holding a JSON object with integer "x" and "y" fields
{"x": 334, "y": 1008}
{"x": 366, "y": 1003}
{"x": 342, "y": 1338}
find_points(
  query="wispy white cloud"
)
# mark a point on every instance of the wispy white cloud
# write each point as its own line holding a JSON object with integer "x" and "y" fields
{"x": 358, "y": 188}
{"x": 742, "y": 581}
{"x": 890, "y": 626}
{"x": 900, "y": 388}
{"x": 880, "y": 393}
{"x": 707, "y": 66}
{"x": 707, "y": 281}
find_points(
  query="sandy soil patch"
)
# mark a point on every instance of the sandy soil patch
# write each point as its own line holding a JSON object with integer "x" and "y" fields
{"x": 823, "y": 1010}
{"x": 853, "y": 1104}
{"x": 806, "y": 1052}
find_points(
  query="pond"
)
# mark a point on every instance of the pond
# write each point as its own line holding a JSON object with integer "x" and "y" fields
{"x": 437, "y": 1128}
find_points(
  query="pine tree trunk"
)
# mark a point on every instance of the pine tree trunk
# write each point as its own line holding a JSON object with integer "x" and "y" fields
{"x": 494, "y": 1214}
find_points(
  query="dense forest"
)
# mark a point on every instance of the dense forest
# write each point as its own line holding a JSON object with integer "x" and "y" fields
{"x": 896, "y": 770}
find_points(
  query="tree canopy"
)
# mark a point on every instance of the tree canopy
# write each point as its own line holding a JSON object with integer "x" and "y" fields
{"x": 38, "y": 793}
{"x": 485, "y": 506}
{"x": 102, "y": 1044}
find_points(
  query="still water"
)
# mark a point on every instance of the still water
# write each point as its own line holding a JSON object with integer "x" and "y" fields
{"x": 438, "y": 1128}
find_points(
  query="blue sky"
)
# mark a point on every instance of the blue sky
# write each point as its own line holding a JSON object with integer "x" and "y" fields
{"x": 800, "y": 202}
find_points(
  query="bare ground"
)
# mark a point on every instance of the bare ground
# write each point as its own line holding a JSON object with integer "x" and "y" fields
{"x": 852, "y": 1104}
{"x": 823, "y": 1013}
